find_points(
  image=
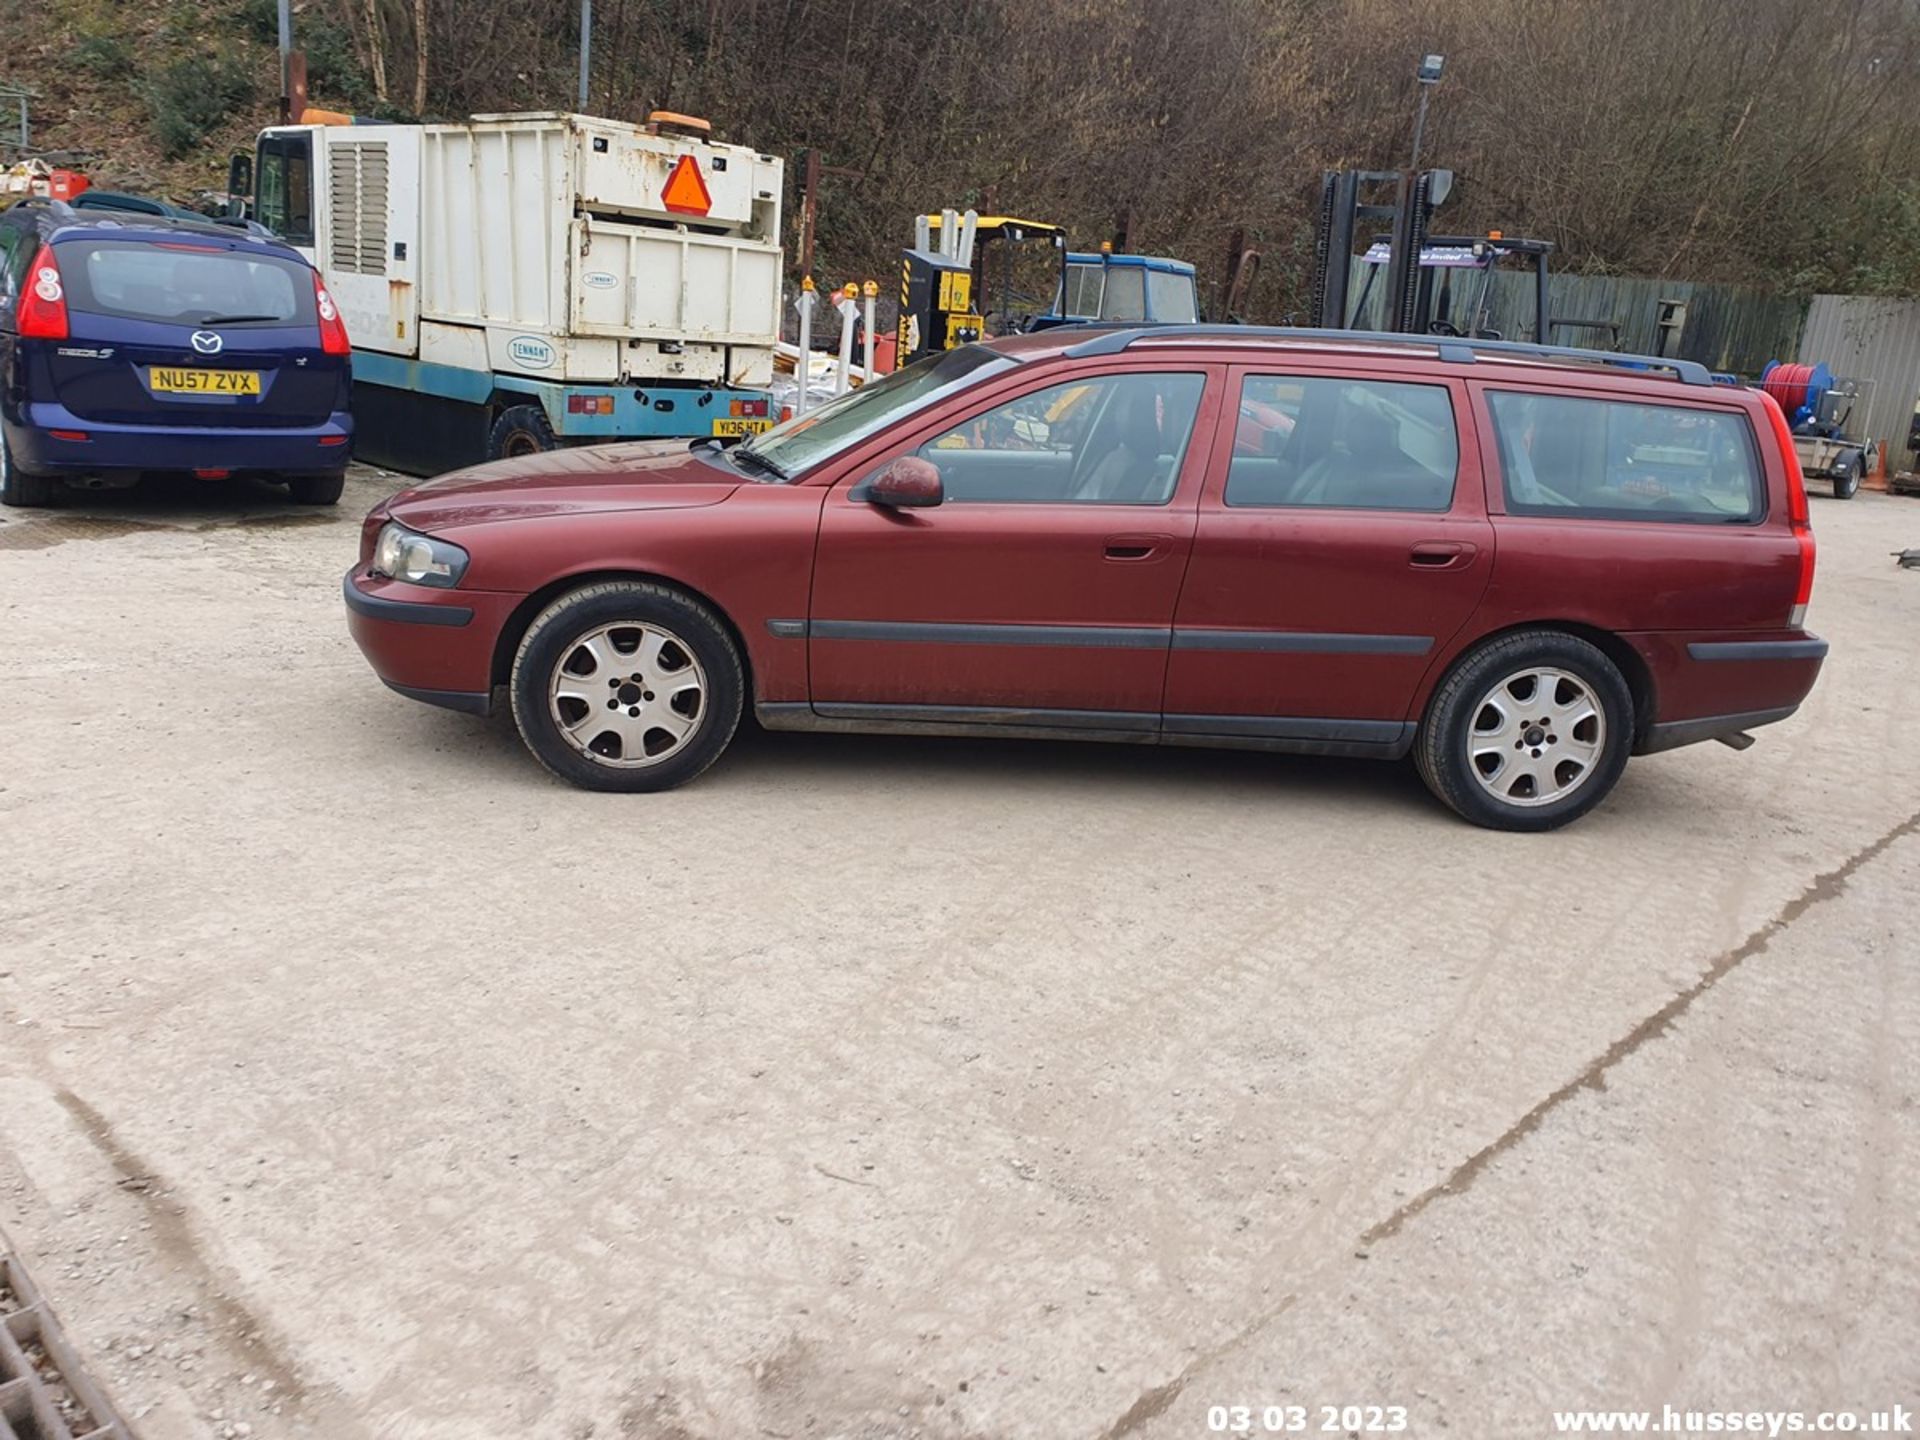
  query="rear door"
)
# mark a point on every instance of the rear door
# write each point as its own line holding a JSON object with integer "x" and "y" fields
{"x": 1342, "y": 539}
{"x": 189, "y": 331}
{"x": 1042, "y": 590}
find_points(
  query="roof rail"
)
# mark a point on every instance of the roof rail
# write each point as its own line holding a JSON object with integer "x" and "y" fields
{"x": 48, "y": 202}
{"x": 1458, "y": 350}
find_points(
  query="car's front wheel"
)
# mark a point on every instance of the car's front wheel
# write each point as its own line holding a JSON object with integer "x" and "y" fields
{"x": 18, "y": 488}
{"x": 627, "y": 686}
{"x": 1529, "y": 731}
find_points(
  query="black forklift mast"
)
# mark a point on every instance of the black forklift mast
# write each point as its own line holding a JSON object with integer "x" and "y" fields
{"x": 1341, "y": 205}
{"x": 1348, "y": 197}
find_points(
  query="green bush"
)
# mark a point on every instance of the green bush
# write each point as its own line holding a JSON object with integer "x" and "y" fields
{"x": 105, "y": 56}
{"x": 192, "y": 98}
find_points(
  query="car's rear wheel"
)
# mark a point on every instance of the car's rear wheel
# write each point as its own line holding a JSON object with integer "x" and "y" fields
{"x": 521, "y": 430}
{"x": 627, "y": 686}
{"x": 317, "y": 489}
{"x": 17, "y": 487}
{"x": 1528, "y": 732}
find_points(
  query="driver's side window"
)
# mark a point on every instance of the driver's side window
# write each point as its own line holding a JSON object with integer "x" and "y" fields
{"x": 1109, "y": 440}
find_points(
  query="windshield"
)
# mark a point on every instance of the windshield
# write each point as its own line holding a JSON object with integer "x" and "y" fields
{"x": 797, "y": 445}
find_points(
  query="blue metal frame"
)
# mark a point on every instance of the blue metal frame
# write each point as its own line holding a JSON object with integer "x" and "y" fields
{"x": 667, "y": 412}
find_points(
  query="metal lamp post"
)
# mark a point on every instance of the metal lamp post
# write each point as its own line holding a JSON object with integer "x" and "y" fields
{"x": 1429, "y": 76}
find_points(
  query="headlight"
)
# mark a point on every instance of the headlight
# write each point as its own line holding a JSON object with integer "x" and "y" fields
{"x": 401, "y": 554}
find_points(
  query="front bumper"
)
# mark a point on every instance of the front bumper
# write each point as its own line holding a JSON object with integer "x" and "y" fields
{"x": 428, "y": 644}
{"x": 302, "y": 450}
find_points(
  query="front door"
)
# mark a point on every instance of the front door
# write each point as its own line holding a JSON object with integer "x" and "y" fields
{"x": 1041, "y": 591}
{"x": 1342, "y": 540}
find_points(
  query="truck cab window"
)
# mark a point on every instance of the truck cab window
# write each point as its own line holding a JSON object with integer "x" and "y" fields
{"x": 1084, "y": 283}
{"x": 284, "y": 187}
{"x": 1126, "y": 294}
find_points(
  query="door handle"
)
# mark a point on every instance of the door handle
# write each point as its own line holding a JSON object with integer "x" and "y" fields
{"x": 1441, "y": 555}
{"x": 1134, "y": 547}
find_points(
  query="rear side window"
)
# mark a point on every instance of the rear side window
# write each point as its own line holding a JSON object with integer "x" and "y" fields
{"x": 185, "y": 284}
{"x": 1625, "y": 460}
{"x": 17, "y": 248}
{"x": 1347, "y": 444}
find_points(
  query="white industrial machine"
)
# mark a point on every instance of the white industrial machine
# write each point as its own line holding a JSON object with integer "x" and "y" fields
{"x": 523, "y": 281}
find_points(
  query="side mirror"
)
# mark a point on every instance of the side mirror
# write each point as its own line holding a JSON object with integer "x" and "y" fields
{"x": 239, "y": 183}
{"x": 907, "y": 483}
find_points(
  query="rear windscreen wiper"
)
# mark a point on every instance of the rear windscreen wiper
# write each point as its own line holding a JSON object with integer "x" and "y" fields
{"x": 237, "y": 319}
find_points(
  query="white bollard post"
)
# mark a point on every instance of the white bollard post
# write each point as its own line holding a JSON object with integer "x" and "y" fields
{"x": 804, "y": 304}
{"x": 848, "y": 309}
{"x": 870, "y": 290}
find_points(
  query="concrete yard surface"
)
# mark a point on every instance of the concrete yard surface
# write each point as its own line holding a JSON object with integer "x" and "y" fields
{"x": 357, "y": 1078}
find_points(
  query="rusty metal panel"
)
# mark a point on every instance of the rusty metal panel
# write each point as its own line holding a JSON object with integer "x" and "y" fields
{"x": 1866, "y": 337}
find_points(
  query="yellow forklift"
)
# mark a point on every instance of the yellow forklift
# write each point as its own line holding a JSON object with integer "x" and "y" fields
{"x": 969, "y": 276}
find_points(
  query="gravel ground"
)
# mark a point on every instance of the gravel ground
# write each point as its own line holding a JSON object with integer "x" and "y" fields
{"x": 358, "y": 1079}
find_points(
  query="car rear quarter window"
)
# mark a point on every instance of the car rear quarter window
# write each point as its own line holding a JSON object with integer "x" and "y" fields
{"x": 1625, "y": 459}
{"x": 185, "y": 284}
{"x": 1322, "y": 441}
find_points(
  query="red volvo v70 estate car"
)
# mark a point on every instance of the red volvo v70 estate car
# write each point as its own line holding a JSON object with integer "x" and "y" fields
{"x": 1520, "y": 565}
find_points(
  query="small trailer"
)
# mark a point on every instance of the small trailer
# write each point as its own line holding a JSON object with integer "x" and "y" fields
{"x": 1818, "y": 406}
{"x": 521, "y": 282}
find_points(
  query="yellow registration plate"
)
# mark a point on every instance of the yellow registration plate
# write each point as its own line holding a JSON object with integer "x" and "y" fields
{"x": 164, "y": 380}
{"x": 741, "y": 427}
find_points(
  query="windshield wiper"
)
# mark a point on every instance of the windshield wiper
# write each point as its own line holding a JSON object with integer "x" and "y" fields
{"x": 747, "y": 454}
{"x": 235, "y": 319}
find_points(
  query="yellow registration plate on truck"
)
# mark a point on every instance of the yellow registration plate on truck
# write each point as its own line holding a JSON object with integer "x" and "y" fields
{"x": 727, "y": 428}
{"x": 164, "y": 381}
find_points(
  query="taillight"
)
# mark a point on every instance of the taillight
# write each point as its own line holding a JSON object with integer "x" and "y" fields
{"x": 42, "y": 313}
{"x": 1798, "y": 516}
{"x": 333, "y": 330}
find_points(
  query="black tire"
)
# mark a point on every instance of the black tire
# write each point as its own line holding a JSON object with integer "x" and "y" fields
{"x": 317, "y": 489}
{"x": 1846, "y": 476}
{"x": 1442, "y": 749}
{"x": 559, "y": 636}
{"x": 521, "y": 430}
{"x": 17, "y": 487}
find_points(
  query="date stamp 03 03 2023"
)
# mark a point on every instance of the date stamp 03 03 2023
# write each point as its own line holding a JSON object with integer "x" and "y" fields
{"x": 1306, "y": 1419}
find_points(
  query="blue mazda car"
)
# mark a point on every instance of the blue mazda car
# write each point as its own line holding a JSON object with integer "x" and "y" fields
{"x": 132, "y": 345}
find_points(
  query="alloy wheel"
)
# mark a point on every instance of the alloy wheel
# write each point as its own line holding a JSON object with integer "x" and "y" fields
{"x": 1537, "y": 736}
{"x": 628, "y": 694}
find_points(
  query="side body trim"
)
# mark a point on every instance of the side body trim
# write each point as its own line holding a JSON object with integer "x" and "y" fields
{"x": 1105, "y": 637}
{"x": 1302, "y": 642}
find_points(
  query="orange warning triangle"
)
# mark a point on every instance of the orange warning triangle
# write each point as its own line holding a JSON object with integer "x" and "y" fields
{"x": 685, "y": 192}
